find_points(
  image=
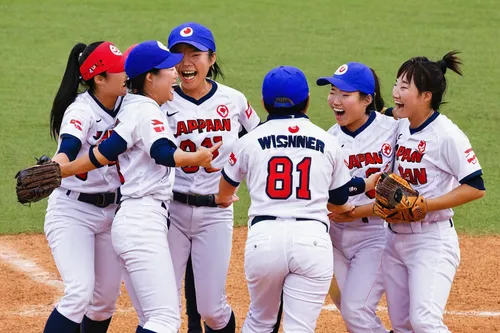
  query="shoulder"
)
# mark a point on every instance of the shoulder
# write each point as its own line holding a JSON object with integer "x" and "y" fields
{"x": 385, "y": 122}
{"x": 80, "y": 107}
{"x": 138, "y": 106}
{"x": 235, "y": 95}
{"x": 334, "y": 130}
{"x": 447, "y": 130}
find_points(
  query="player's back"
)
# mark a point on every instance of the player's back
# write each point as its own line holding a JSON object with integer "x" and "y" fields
{"x": 291, "y": 165}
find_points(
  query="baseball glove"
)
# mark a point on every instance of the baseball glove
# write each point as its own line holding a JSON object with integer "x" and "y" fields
{"x": 38, "y": 181}
{"x": 397, "y": 201}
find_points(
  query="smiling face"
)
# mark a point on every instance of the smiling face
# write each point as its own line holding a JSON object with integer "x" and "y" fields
{"x": 113, "y": 84}
{"x": 194, "y": 67}
{"x": 349, "y": 107}
{"x": 159, "y": 86}
{"x": 408, "y": 100}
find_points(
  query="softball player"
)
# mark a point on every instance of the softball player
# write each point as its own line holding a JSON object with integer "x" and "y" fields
{"x": 143, "y": 145}
{"x": 293, "y": 169}
{"x": 80, "y": 212}
{"x": 368, "y": 141}
{"x": 436, "y": 157}
{"x": 203, "y": 113}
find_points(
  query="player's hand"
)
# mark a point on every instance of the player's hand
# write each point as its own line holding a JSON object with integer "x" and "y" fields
{"x": 227, "y": 201}
{"x": 342, "y": 217}
{"x": 205, "y": 156}
{"x": 371, "y": 181}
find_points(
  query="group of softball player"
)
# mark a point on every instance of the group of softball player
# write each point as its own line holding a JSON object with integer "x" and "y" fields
{"x": 151, "y": 169}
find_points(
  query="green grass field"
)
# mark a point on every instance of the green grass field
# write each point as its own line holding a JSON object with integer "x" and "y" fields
{"x": 252, "y": 37}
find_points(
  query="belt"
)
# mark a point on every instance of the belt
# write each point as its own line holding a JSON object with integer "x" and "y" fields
{"x": 260, "y": 218}
{"x": 101, "y": 200}
{"x": 389, "y": 225}
{"x": 193, "y": 200}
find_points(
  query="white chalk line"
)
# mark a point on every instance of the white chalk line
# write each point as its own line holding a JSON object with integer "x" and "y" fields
{"x": 332, "y": 307}
{"x": 37, "y": 274}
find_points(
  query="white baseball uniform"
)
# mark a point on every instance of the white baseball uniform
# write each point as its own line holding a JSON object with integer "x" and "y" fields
{"x": 421, "y": 258}
{"x": 140, "y": 226}
{"x": 79, "y": 233}
{"x": 358, "y": 246}
{"x": 205, "y": 232}
{"x": 290, "y": 165}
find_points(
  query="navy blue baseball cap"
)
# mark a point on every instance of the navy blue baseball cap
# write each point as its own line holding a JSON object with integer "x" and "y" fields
{"x": 284, "y": 87}
{"x": 148, "y": 55}
{"x": 351, "y": 77}
{"x": 193, "y": 34}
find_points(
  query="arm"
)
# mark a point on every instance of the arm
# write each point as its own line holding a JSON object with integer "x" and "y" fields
{"x": 461, "y": 195}
{"x": 227, "y": 193}
{"x": 84, "y": 163}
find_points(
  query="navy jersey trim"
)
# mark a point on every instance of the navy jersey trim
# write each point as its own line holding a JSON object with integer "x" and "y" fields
{"x": 111, "y": 112}
{"x": 287, "y": 116}
{"x": 370, "y": 120}
{"x": 112, "y": 147}
{"x": 162, "y": 151}
{"x": 340, "y": 195}
{"x": 70, "y": 145}
{"x": 474, "y": 180}
{"x": 425, "y": 124}
{"x": 195, "y": 101}
{"x": 229, "y": 180}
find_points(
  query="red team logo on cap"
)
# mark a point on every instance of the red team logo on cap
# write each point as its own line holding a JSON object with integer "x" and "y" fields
{"x": 232, "y": 159}
{"x": 158, "y": 125}
{"x": 421, "y": 146}
{"x": 186, "y": 32}
{"x": 341, "y": 70}
{"x": 386, "y": 150}
{"x": 470, "y": 156}
{"x": 223, "y": 111}
{"x": 115, "y": 50}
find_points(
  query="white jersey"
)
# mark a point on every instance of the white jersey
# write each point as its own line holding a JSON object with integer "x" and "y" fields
{"x": 218, "y": 116}
{"x": 140, "y": 123}
{"x": 290, "y": 165}
{"x": 434, "y": 158}
{"x": 88, "y": 121}
{"x": 366, "y": 151}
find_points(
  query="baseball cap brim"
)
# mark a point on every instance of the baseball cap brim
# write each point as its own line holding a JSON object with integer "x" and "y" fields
{"x": 340, "y": 84}
{"x": 199, "y": 46}
{"x": 120, "y": 66}
{"x": 172, "y": 60}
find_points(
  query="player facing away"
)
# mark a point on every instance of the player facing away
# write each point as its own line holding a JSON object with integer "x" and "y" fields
{"x": 368, "y": 141}
{"x": 203, "y": 113}
{"x": 293, "y": 169}
{"x": 80, "y": 212}
{"x": 145, "y": 148}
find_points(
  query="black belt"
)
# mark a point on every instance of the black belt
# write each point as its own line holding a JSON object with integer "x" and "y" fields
{"x": 260, "y": 218}
{"x": 101, "y": 200}
{"x": 193, "y": 200}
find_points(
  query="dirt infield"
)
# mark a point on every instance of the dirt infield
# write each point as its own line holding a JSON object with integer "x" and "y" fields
{"x": 30, "y": 288}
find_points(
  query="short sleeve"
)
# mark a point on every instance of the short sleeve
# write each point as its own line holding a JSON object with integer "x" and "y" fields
{"x": 340, "y": 174}
{"x": 77, "y": 122}
{"x": 248, "y": 118}
{"x": 152, "y": 126}
{"x": 459, "y": 156}
{"x": 236, "y": 167}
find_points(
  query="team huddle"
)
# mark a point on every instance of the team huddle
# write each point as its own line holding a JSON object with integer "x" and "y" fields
{"x": 151, "y": 170}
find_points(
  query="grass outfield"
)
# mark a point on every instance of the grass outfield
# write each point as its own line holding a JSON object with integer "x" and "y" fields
{"x": 252, "y": 37}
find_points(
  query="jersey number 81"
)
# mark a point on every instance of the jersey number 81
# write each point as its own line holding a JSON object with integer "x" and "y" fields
{"x": 279, "y": 183}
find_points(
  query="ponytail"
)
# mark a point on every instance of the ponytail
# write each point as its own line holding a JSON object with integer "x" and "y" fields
{"x": 377, "y": 103}
{"x": 68, "y": 89}
{"x": 451, "y": 61}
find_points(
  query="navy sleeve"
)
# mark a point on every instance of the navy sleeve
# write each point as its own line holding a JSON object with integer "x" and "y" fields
{"x": 70, "y": 145}
{"x": 356, "y": 186}
{"x": 112, "y": 147}
{"x": 340, "y": 195}
{"x": 162, "y": 151}
{"x": 475, "y": 180}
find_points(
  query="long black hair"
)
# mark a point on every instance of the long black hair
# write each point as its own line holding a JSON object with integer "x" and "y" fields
{"x": 429, "y": 75}
{"x": 70, "y": 84}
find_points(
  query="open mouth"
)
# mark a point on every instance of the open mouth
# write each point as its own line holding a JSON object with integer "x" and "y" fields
{"x": 188, "y": 75}
{"x": 338, "y": 112}
{"x": 398, "y": 104}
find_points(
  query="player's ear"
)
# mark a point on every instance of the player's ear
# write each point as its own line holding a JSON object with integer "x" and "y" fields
{"x": 367, "y": 100}
{"x": 427, "y": 96}
{"x": 212, "y": 58}
{"x": 99, "y": 79}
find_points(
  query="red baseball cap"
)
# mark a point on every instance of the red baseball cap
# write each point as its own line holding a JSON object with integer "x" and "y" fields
{"x": 105, "y": 58}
